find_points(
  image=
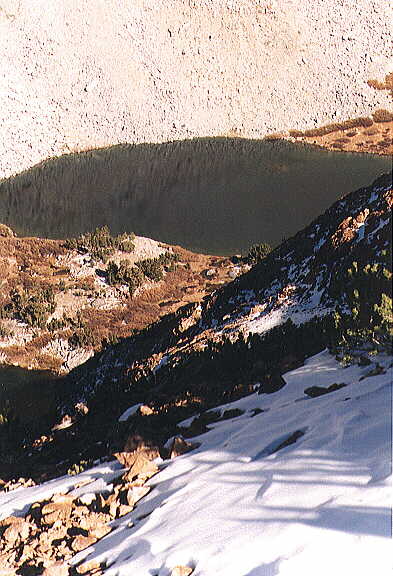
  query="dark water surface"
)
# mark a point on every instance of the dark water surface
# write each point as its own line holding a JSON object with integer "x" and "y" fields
{"x": 214, "y": 195}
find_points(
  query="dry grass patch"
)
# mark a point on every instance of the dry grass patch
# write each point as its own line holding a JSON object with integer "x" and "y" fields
{"x": 382, "y": 116}
{"x": 386, "y": 84}
{"x": 335, "y": 127}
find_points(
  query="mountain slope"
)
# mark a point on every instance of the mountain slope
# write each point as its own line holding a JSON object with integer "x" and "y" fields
{"x": 78, "y": 74}
{"x": 304, "y": 279}
{"x": 289, "y": 467}
{"x": 246, "y": 504}
{"x": 293, "y": 484}
{"x": 322, "y": 288}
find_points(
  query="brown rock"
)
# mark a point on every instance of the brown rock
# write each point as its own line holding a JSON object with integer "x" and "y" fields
{"x": 62, "y": 499}
{"x": 135, "y": 493}
{"x": 93, "y": 520}
{"x": 87, "y": 499}
{"x": 141, "y": 469}
{"x": 100, "y": 531}
{"x": 181, "y": 446}
{"x": 81, "y": 408}
{"x": 27, "y": 553}
{"x": 124, "y": 509}
{"x": 90, "y": 566}
{"x": 56, "y": 569}
{"x": 6, "y": 231}
{"x": 145, "y": 410}
{"x": 80, "y": 511}
{"x": 45, "y": 543}
{"x": 113, "y": 507}
{"x": 112, "y": 503}
{"x": 81, "y": 542}
{"x": 136, "y": 446}
{"x": 6, "y": 561}
{"x": 59, "y": 509}
{"x": 57, "y": 532}
{"x": 181, "y": 571}
{"x": 18, "y": 528}
{"x": 347, "y": 229}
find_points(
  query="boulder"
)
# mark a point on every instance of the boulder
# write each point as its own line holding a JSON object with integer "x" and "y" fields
{"x": 17, "y": 529}
{"x": 6, "y": 231}
{"x": 90, "y": 566}
{"x": 81, "y": 542}
{"x": 145, "y": 410}
{"x": 124, "y": 509}
{"x": 135, "y": 493}
{"x": 182, "y": 571}
{"x": 56, "y": 569}
{"x": 181, "y": 446}
{"x": 59, "y": 510}
{"x": 92, "y": 521}
{"x": 315, "y": 391}
{"x": 136, "y": 448}
{"x": 100, "y": 531}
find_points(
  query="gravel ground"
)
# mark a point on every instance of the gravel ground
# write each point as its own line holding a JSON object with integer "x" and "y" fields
{"x": 84, "y": 73}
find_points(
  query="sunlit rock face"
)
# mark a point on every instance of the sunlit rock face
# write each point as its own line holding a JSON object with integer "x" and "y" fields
{"x": 76, "y": 74}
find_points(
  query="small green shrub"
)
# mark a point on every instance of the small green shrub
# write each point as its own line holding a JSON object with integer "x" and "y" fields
{"x": 168, "y": 258}
{"x": 110, "y": 340}
{"x": 257, "y": 253}
{"x": 335, "y": 127}
{"x": 100, "y": 244}
{"x": 125, "y": 242}
{"x": 32, "y": 306}
{"x": 56, "y": 324}
{"x": 151, "y": 268}
{"x": 382, "y": 116}
{"x": 134, "y": 276}
{"x": 124, "y": 273}
{"x": 79, "y": 467}
{"x": 5, "y": 331}
{"x": 82, "y": 338}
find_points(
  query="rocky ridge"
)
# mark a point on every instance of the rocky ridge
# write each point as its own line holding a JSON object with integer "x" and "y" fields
{"x": 43, "y": 540}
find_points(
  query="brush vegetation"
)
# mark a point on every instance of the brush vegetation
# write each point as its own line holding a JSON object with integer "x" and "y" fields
{"x": 100, "y": 243}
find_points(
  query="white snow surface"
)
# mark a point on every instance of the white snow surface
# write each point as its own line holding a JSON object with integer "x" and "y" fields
{"x": 17, "y": 502}
{"x": 237, "y": 507}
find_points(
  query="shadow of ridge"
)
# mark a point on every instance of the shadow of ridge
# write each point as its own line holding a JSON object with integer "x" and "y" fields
{"x": 26, "y": 394}
{"x": 371, "y": 520}
{"x": 270, "y": 569}
{"x": 210, "y": 194}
